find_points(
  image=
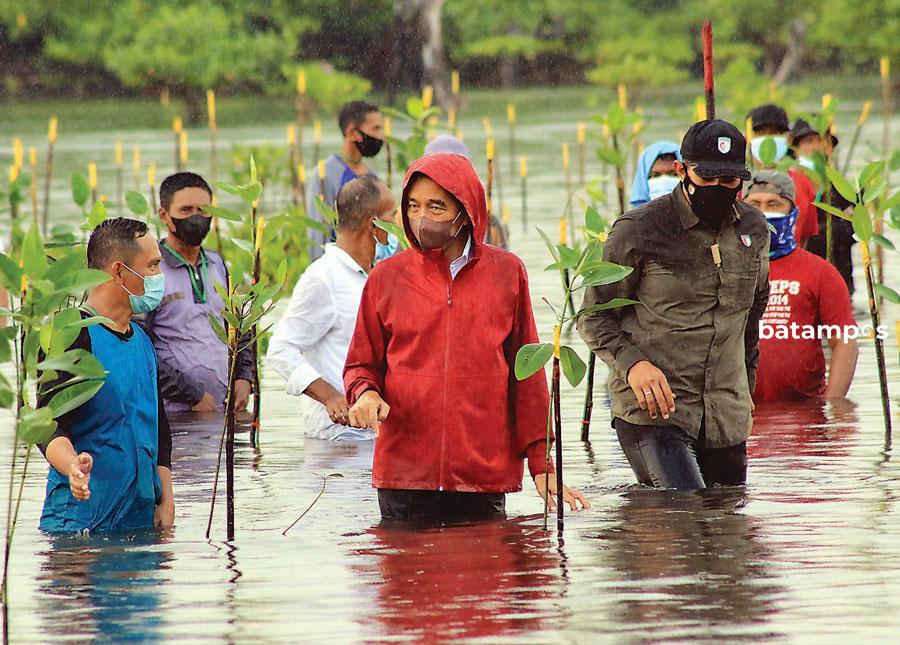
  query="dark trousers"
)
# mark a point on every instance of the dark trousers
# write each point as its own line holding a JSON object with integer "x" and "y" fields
{"x": 439, "y": 506}
{"x": 667, "y": 457}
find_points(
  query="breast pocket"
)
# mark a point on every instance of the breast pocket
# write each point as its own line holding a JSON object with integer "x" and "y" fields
{"x": 740, "y": 275}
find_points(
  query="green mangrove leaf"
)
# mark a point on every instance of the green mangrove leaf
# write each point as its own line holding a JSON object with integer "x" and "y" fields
{"x": 615, "y": 303}
{"x": 883, "y": 242}
{"x": 600, "y": 273}
{"x": 841, "y": 184}
{"x": 870, "y": 172}
{"x": 862, "y": 223}
{"x": 136, "y": 203}
{"x": 395, "y": 230}
{"x": 81, "y": 191}
{"x": 11, "y": 274}
{"x": 224, "y": 213}
{"x": 887, "y": 293}
{"x": 73, "y": 397}
{"x": 35, "y": 426}
{"x": 837, "y": 212}
{"x": 532, "y": 357}
{"x": 7, "y": 394}
{"x": 767, "y": 151}
{"x": 572, "y": 366}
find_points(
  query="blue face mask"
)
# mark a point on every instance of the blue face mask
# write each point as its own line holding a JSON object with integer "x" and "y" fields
{"x": 662, "y": 185}
{"x": 781, "y": 146}
{"x": 384, "y": 251}
{"x": 154, "y": 288}
{"x": 783, "y": 241}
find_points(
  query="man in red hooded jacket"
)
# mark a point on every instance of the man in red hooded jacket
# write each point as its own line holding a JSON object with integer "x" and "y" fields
{"x": 430, "y": 365}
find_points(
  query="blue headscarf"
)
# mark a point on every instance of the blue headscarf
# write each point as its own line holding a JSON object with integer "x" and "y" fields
{"x": 640, "y": 189}
{"x": 783, "y": 242}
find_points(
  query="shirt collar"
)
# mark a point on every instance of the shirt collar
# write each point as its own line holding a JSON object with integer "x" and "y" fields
{"x": 169, "y": 257}
{"x": 467, "y": 252}
{"x": 344, "y": 258}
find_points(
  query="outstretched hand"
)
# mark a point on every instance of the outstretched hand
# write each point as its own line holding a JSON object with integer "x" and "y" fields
{"x": 80, "y": 476}
{"x": 570, "y": 495}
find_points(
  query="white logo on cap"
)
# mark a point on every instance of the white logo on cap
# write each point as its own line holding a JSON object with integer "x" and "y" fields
{"x": 724, "y": 144}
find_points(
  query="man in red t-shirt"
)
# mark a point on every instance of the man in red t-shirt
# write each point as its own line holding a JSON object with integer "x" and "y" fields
{"x": 808, "y": 301}
{"x": 771, "y": 122}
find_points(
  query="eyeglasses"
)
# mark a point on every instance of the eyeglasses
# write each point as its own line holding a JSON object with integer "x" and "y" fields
{"x": 435, "y": 211}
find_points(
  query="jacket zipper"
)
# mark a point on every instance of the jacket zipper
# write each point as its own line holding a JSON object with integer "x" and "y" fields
{"x": 444, "y": 404}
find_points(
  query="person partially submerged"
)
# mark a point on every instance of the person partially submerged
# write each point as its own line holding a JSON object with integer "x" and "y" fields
{"x": 430, "y": 365}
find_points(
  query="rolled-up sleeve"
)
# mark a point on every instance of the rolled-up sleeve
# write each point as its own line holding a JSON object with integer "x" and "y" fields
{"x": 310, "y": 315}
{"x": 602, "y": 331}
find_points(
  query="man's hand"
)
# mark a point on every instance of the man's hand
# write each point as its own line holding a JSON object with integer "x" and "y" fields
{"x": 651, "y": 389}
{"x": 338, "y": 410}
{"x": 80, "y": 476}
{"x": 369, "y": 411}
{"x": 242, "y": 390}
{"x": 205, "y": 404}
{"x": 570, "y": 495}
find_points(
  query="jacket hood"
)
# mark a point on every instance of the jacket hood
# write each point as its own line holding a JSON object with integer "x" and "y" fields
{"x": 455, "y": 174}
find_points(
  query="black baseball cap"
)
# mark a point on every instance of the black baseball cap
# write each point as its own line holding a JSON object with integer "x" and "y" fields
{"x": 769, "y": 115}
{"x": 716, "y": 149}
{"x": 803, "y": 129}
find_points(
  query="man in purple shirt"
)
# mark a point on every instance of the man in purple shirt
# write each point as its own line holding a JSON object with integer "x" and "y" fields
{"x": 193, "y": 362}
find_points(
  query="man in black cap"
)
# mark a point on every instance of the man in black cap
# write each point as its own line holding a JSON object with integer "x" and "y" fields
{"x": 770, "y": 121}
{"x": 806, "y": 143}
{"x": 701, "y": 276}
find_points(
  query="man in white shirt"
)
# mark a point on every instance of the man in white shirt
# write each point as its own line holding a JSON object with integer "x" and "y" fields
{"x": 309, "y": 346}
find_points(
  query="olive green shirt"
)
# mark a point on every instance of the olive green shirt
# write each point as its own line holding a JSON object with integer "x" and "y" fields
{"x": 697, "y": 322}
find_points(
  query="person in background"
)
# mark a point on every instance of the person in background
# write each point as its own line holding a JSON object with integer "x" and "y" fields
{"x": 362, "y": 127}
{"x": 655, "y": 173}
{"x": 497, "y": 234}
{"x": 309, "y": 346}
{"x": 805, "y": 143}
{"x": 110, "y": 458}
{"x": 804, "y": 290}
{"x": 771, "y": 122}
{"x": 430, "y": 365}
{"x": 682, "y": 362}
{"x": 180, "y": 326}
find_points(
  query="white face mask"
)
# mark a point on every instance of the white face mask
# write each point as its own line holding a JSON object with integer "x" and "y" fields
{"x": 806, "y": 162}
{"x": 781, "y": 145}
{"x": 662, "y": 185}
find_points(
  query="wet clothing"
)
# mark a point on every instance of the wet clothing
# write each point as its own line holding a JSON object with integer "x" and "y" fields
{"x": 310, "y": 341}
{"x": 640, "y": 187}
{"x": 667, "y": 457}
{"x": 807, "y": 291}
{"x": 697, "y": 322}
{"x": 124, "y": 428}
{"x": 441, "y": 350}
{"x": 181, "y": 332}
{"x": 807, "y": 225}
{"x": 439, "y": 506}
{"x": 337, "y": 173}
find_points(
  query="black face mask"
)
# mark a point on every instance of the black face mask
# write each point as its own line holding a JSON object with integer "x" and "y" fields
{"x": 191, "y": 230}
{"x": 369, "y": 146}
{"x": 711, "y": 204}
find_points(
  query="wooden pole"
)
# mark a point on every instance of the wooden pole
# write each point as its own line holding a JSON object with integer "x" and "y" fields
{"x": 489, "y": 149}
{"x": 213, "y": 136}
{"x": 120, "y": 178}
{"x": 879, "y": 343}
{"x": 317, "y": 140}
{"x": 136, "y": 167}
{"x": 92, "y": 181}
{"x": 708, "y": 76}
{"x": 887, "y": 108}
{"x": 557, "y": 422}
{"x": 183, "y": 149}
{"x": 860, "y": 122}
{"x": 389, "y": 152}
{"x": 581, "y": 134}
{"x": 151, "y": 183}
{"x": 300, "y": 107}
{"x": 32, "y": 185}
{"x": 454, "y": 90}
{"x": 294, "y": 163}
{"x": 523, "y": 175}
{"x": 511, "y": 121}
{"x": 48, "y": 174}
{"x": 177, "y": 127}
{"x": 259, "y": 225}
{"x": 828, "y": 150}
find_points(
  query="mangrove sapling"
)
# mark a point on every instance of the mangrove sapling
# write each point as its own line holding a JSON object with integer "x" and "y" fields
{"x": 868, "y": 195}
{"x": 587, "y": 268}
{"x": 42, "y": 281}
{"x": 418, "y": 117}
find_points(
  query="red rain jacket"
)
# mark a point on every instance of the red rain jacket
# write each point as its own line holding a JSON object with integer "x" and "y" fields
{"x": 441, "y": 353}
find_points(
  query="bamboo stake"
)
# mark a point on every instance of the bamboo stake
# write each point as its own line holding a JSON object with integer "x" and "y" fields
{"x": 489, "y": 149}
{"x": 887, "y": 109}
{"x": 300, "y": 107}
{"x": 879, "y": 343}
{"x": 301, "y": 174}
{"x": 183, "y": 148}
{"x": 748, "y": 135}
{"x": 570, "y": 211}
{"x": 120, "y": 178}
{"x": 564, "y": 239}
{"x": 454, "y": 90}
{"x": 257, "y": 265}
{"x": 511, "y": 121}
{"x": 389, "y": 152}
{"x": 581, "y": 138}
{"x": 708, "y": 77}
{"x": 523, "y": 176}
{"x": 32, "y": 185}
{"x": 13, "y": 205}
{"x": 826, "y": 142}
{"x": 92, "y": 181}
{"x": 860, "y": 122}
{"x": 151, "y": 182}
{"x": 427, "y": 96}
{"x": 317, "y": 140}
{"x": 136, "y": 163}
{"x": 294, "y": 163}
{"x": 177, "y": 127}
{"x": 213, "y": 135}
{"x": 557, "y": 422}
{"x": 48, "y": 174}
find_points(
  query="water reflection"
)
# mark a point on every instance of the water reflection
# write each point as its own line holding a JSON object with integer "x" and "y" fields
{"x": 688, "y": 563}
{"x": 481, "y": 580}
{"x": 801, "y": 429}
{"x": 110, "y": 588}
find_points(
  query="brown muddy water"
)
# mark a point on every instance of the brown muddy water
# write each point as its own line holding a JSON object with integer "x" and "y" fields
{"x": 807, "y": 551}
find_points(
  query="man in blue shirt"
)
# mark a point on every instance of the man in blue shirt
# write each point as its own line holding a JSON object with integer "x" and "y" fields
{"x": 362, "y": 126}
{"x": 110, "y": 458}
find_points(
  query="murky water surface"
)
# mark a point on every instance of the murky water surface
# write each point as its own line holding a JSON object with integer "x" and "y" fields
{"x": 808, "y": 551}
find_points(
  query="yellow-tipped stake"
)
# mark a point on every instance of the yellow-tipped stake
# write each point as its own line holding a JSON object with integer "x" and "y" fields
{"x": 427, "y": 96}
{"x": 136, "y": 163}
{"x": 879, "y": 342}
{"x": 860, "y": 122}
{"x": 523, "y": 177}
{"x": 317, "y": 139}
{"x": 581, "y": 137}
{"x": 211, "y": 108}
{"x": 486, "y": 124}
{"x": 213, "y": 132}
{"x": 568, "y": 174}
{"x": 92, "y": 180}
{"x": 700, "y": 109}
{"x": 454, "y": 82}
{"x": 489, "y": 151}
{"x": 151, "y": 184}
{"x": 301, "y": 82}
{"x": 748, "y": 135}
{"x": 177, "y": 127}
{"x": 260, "y": 225}
{"x": 32, "y": 184}
{"x": 120, "y": 172}
{"x": 321, "y": 167}
{"x": 506, "y": 217}
{"x": 451, "y": 118}
{"x": 183, "y": 145}
{"x": 301, "y": 174}
{"x": 292, "y": 154}
{"x": 623, "y": 96}
{"x": 389, "y": 152}
{"x": 18, "y": 153}
{"x": 563, "y": 231}
{"x": 511, "y": 121}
